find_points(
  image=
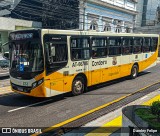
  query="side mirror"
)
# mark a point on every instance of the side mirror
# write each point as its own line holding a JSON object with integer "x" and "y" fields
{"x": 53, "y": 51}
{"x": 50, "y": 53}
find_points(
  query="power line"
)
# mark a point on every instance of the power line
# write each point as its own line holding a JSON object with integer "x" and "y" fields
{"x": 38, "y": 11}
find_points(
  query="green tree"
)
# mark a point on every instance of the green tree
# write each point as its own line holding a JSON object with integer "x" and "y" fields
{"x": 155, "y": 109}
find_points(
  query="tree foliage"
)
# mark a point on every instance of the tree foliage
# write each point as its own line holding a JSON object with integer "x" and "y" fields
{"x": 155, "y": 109}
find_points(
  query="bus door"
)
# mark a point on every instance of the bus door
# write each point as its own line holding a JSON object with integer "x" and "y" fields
{"x": 56, "y": 60}
{"x": 80, "y": 55}
{"x": 99, "y": 60}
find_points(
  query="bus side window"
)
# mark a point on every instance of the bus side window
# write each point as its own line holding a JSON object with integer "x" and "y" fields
{"x": 80, "y": 48}
{"x": 137, "y": 45}
{"x": 154, "y": 43}
{"x": 127, "y": 45}
{"x": 99, "y": 47}
{"x": 114, "y": 46}
{"x": 146, "y": 44}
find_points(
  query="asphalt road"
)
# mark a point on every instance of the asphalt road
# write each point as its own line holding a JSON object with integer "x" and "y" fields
{"x": 22, "y": 111}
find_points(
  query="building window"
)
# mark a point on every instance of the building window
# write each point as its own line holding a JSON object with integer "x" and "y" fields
{"x": 128, "y": 30}
{"x": 80, "y": 48}
{"x": 107, "y": 28}
{"x": 118, "y": 29}
{"x": 94, "y": 25}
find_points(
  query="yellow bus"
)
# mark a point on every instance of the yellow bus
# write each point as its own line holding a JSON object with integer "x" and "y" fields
{"x": 45, "y": 62}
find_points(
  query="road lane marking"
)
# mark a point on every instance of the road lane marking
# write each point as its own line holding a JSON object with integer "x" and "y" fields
{"x": 91, "y": 111}
{"x": 157, "y": 98}
{"x": 143, "y": 97}
{"x": 112, "y": 127}
{"x": 20, "y": 108}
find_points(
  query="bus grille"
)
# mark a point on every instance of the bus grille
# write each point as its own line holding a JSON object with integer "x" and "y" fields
{"x": 21, "y": 88}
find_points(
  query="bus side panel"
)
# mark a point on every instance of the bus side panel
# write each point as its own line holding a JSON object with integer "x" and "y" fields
{"x": 125, "y": 65}
{"x": 78, "y": 68}
{"x": 115, "y": 67}
{"x": 105, "y": 70}
{"x": 54, "y": 84}
{"x": 95, "y": 71}
{"x": 148, "y": 62}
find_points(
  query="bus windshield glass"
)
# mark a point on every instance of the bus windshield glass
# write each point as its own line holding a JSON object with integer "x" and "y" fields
{"x": 26, "y": 56}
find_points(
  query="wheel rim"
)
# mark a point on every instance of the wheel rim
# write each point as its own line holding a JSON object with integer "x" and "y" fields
{"x": 78, "y": 86}
{"x": 134, "y": 72}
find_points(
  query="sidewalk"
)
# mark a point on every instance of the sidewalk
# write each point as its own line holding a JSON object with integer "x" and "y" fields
{"x": 116, "y": 122}
{"x": 5, "y": 90}
{"x": 110, "y": 124}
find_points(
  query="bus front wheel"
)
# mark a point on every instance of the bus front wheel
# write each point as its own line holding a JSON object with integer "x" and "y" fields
{"x": 134, "y": 72}
{"x": 78, "y": 86}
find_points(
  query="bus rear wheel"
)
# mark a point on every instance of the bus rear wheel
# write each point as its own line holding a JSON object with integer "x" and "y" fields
{"x": 78, "y": 86}
{"x": 134, "y": 72}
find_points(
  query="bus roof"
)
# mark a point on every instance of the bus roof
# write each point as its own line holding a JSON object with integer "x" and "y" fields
{"x": 76, "y": 32}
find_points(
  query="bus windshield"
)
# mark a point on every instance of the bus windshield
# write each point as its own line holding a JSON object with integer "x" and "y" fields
{"x": 26, "y": 56}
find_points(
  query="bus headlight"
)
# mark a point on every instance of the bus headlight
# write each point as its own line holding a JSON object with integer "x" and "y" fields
{"x": 37, "y": 83}
{"x": 34, "y": 84}
{"x": 40, "y": 81}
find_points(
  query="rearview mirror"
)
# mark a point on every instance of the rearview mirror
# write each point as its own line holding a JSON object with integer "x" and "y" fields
{"x": 53, "y": 52}
{"x": 50, "y": 53}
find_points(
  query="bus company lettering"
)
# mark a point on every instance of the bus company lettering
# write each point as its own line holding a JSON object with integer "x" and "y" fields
{"x": 99, "y": 63}
{"x": 77, "y": 64}
{"x": 21, "y": 36}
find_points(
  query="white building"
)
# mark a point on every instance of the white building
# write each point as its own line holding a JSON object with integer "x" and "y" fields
{"x": 9, "y": 24}
{"x": 108, "y": 15}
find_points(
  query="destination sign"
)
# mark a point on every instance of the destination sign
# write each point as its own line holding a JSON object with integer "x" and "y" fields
{"x": 19, "y": 36}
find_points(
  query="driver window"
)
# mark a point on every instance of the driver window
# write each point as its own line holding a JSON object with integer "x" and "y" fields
{"x": 56, "y": 52}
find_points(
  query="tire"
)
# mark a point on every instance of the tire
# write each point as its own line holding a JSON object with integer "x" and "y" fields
{"x": 134, "y": 72}
{"x": 78, "y": 86}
